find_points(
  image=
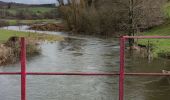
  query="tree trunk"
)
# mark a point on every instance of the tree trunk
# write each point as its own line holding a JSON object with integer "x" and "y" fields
{"x": 131, "y": 22}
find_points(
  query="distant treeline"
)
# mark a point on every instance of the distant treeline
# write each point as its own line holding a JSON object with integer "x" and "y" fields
{"x": 28, "y": 14}
{"x": 6, "y": 4}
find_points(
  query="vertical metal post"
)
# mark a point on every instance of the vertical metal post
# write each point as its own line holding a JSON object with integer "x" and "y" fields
{"x": 121, "y": 70}
{"x": 23, "y": 69}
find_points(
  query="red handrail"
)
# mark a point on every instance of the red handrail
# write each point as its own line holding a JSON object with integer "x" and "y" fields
{"x": 23, "y": 69}
{"x": 122, "y": 64}
{"x": 85, "y": 73}
{"x": 121, "y": 73}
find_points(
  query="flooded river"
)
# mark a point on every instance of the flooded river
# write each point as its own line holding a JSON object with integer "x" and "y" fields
{"x": 85, "y": 54}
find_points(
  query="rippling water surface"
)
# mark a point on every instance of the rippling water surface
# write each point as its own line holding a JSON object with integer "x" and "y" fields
{"x": 85, "y": 54}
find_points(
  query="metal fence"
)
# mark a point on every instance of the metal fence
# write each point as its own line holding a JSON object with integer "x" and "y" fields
{"x": 121, "y": 72}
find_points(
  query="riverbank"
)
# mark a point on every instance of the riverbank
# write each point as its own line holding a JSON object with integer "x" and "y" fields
{"x": 14, "y": 22}
{"x": 9, "y": 44}
{"x": 159, "y": 47}
{"x": 48, "y": 27}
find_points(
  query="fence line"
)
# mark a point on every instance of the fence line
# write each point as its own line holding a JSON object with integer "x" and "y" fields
{"x": 121, "y": 72}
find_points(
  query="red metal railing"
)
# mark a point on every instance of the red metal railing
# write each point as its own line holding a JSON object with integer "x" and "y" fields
{"x": 121, "y": 73}
{"x": 23, "y": 69}
{"x": 122, "y": 61}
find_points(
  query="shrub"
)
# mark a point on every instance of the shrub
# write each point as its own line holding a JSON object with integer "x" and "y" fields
{"x": 3, "y": 23}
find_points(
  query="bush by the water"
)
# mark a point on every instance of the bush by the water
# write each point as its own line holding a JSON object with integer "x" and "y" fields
{"x": 3, "y": 23}
{"x": 6, "y": 55}
{"x": 10, "y": 51}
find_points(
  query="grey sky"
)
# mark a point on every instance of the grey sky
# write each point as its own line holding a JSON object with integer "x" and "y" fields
{"x": 31, "y": 1}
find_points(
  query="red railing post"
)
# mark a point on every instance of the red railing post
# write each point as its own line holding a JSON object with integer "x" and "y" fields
{"x": 121, "y": 70}
{"x": 23, "y": 69}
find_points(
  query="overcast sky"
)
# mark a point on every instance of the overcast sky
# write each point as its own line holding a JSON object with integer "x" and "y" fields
{"x": 31, "y": 1}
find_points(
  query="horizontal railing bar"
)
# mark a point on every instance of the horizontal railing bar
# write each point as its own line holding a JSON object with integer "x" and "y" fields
{"x": 10, "y": 73}
{"x": 147, "y": 37}
{"x": 84, "y": 73}
{"x": 147, "y": 74}
{"x": 75, "y": 73}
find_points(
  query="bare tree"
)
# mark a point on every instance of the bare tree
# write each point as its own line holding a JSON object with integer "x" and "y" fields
{"x": 111, "y": 16}
{"x": 61, "y": 2}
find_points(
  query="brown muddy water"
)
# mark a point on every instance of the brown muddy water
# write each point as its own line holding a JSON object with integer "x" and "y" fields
{"x": 85, "y": 54}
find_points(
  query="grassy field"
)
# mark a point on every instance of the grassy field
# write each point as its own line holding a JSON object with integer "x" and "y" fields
{"x": 6, "y": 34}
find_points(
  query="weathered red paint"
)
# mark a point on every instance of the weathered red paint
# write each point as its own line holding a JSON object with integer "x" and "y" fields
{"x": 74, "y": 73}
{"x": 121, "y": 70}
{"x": 23, "y": 69}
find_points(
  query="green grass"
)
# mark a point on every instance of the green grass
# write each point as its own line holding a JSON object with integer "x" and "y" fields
{"x": 6, "y": 34}
{"x": 161, "y": 47}
{"x": 27, "y": 22}
{"x": 41, "y": 9}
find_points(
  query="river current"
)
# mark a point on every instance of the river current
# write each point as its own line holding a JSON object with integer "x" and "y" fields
{"x": 84, "y": 54}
